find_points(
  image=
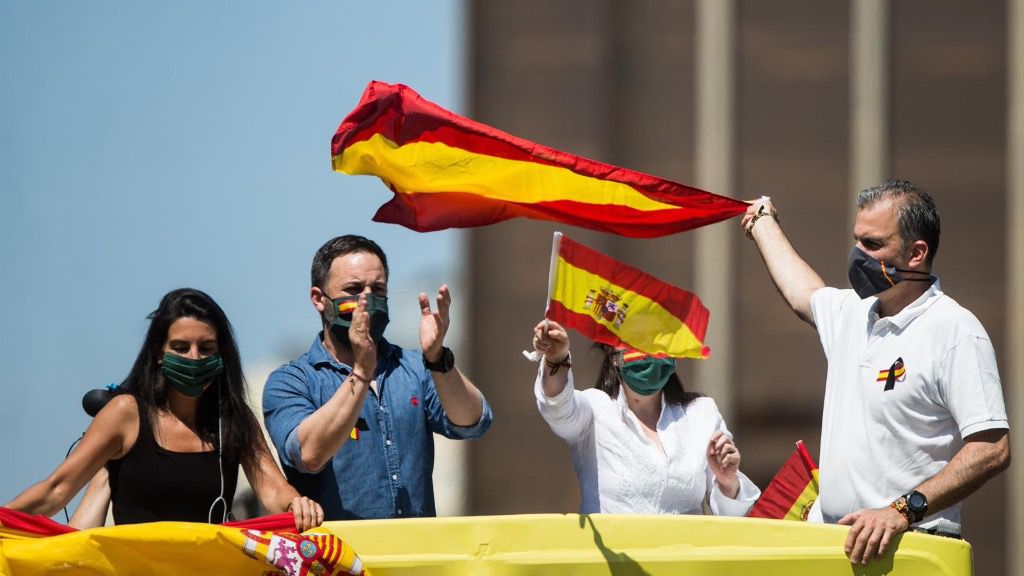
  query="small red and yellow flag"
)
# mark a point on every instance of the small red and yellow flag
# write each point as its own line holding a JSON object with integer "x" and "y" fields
{"x": 347, "y": 308}
{"x": 448, "y": 171}
{"x": 793, "y": 490}
{"x": 616, "y": 304}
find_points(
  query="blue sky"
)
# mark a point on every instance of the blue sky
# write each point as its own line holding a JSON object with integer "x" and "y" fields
{"x": 146, "y": 146}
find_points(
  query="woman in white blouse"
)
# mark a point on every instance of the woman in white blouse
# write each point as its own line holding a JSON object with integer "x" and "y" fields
{"x": 646, "y": 447}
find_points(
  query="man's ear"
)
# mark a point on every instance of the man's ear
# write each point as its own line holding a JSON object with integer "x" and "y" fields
{"x": 918, "y": 255}
{"x": 316, "y": 296}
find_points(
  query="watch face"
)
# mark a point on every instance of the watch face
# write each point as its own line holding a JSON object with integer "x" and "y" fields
{"x": 916, "y": 501}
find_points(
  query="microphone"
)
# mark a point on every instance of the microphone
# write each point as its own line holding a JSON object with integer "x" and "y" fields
{"x": 95, "y": 399}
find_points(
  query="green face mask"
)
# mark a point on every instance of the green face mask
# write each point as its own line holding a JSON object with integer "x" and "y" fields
{"x": 188, "y": 376}
{"x": 339, "y": 316}
{"x": 649, "y": 375}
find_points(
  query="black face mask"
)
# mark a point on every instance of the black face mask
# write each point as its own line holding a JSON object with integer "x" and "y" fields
{"x": 870, "y": 277}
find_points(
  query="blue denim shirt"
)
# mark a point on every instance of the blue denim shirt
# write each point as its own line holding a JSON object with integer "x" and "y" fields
{"x": 384, "y": 469}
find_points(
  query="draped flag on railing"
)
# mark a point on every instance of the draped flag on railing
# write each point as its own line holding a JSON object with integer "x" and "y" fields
{"x": 616, "y": 304}
{"x": 31, "y": 545}
{"x": 792, "y": 491}
{"x": 448, "y": 171}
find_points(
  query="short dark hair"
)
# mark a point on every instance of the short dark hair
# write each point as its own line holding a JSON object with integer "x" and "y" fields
{"x": 916, "y": 213}
{"x": 609, "y": 380}
{"x": 340, "y": 246}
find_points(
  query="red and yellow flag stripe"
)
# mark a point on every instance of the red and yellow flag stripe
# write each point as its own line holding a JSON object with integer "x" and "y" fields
{"x": 451, "y": 172}
{"x": 618, "y": 305}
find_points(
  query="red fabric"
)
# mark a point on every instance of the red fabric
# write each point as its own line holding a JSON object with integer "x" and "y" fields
{"x": 787, "y": 486}
{"x": 401, "y": 115}
{"x": 283, "y": 522}
{"x": 31, "y": 523}
{"x": 42, "y": 526}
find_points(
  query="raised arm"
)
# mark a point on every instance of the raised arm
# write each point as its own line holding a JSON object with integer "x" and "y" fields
{"x": 793, "y": 277}
{"x": 462, "y": 402}
{"x": 551, "y": 340}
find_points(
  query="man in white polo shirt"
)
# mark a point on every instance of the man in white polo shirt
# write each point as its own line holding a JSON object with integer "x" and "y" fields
{"x": 914, "y": 419}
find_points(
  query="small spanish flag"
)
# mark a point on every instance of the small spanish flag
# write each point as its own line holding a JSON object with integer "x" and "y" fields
{"x": 616, "y": 304}
{"x": 447, "y": 171}
{"x": 346, "y": 308}
{"x": 793, "y": 490}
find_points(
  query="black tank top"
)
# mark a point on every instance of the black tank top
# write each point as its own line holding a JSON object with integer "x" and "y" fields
{"x": 150, "y": 484}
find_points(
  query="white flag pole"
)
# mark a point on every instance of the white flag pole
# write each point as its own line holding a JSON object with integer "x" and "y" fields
{"x": 556, "y": 241}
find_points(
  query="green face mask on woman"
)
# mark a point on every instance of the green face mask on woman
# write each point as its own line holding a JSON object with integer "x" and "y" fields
{"x": 648, "y": 375}
{"x": 188, "y": 376}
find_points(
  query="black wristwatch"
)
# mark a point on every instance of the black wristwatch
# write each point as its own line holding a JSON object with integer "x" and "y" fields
{"x": 917, "y": 504}
{"x": 445, "y": 363}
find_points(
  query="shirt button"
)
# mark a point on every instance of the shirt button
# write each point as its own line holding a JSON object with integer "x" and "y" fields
{"x": 387, "y": 442}
{"x": 394, "y": 476}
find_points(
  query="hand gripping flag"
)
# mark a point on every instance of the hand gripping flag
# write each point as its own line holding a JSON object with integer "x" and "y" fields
{"x": 615, "y": 304}
{"x": 792, "y": 491}
{"x": 448, "y": 171}
{"x": 31, "y": 545}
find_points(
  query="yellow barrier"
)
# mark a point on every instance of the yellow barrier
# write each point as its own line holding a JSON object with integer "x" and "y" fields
{"x": 537, "y": 545}
{"x": 632, "y": 545}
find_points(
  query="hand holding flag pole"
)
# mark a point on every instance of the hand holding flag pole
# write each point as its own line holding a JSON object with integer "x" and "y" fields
{"x": 535, "y": 355}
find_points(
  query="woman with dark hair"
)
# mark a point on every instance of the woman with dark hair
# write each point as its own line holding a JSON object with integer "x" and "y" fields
{"x": 640, "y": 443}
{"x": 173, "y": 441}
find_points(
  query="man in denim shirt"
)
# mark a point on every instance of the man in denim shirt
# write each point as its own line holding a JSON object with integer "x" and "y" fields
{"x": 353, "y": 417}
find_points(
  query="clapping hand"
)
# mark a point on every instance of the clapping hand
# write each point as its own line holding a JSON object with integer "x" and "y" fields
{"x": 434, "y": 325}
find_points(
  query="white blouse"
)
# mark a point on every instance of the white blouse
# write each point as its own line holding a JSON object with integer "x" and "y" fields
{"x": 622, "y": 472}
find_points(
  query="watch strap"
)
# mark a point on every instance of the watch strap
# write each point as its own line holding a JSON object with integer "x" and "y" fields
{"x": 445, "y": 363}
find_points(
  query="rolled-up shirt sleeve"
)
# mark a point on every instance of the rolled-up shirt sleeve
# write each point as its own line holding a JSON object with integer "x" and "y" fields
{"x": 286, "y": 403}
{"x": 438, "y": 418}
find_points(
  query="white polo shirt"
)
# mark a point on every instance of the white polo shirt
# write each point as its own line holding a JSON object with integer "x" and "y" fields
{"x": 883, "y": 436}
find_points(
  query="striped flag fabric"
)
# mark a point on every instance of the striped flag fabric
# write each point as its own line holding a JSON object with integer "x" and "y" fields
{"x": 447, "y": 171}
{"x": 613, "y": 303}
{"x": 793, "y": 490}
{"x": 35, "y": 545}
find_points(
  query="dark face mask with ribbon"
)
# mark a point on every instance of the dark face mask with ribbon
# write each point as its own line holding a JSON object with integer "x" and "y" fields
{"x": 338, "y": 315}
{"x": 870, "y": 277}
{"x": 188, "y": 376}
{"x": 648, "y": 375}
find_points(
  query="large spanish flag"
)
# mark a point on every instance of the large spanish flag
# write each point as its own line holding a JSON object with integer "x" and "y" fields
{"x": 448, "y": 171}
{"x": 35, "y": 545}
{"x": 793, "y": 490}
{"x": 616, "y": 304}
